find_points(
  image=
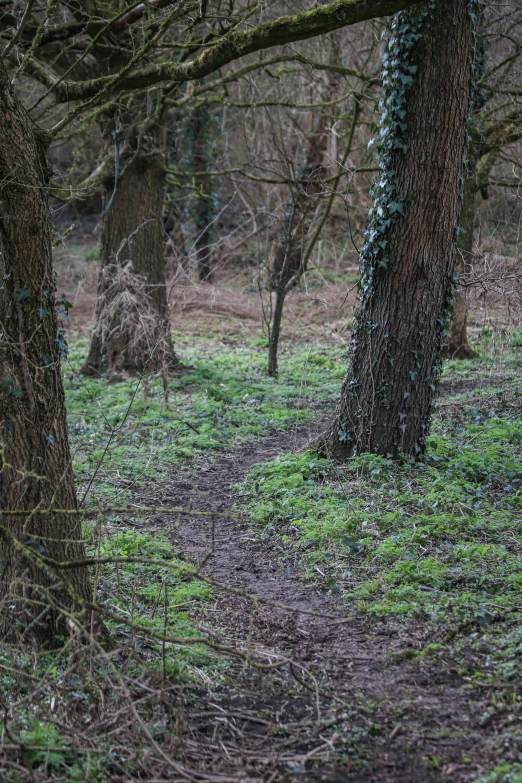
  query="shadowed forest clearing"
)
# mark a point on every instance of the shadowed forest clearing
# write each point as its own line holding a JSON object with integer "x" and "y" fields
{"x": 260, "y": 391}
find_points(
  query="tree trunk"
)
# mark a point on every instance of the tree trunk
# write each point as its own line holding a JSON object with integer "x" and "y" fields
{"x": 275, "y": 331}
{"x": 409, "y": 257}
{"x": 203, "y": 204}
{"x": 288, "y": 263}
{"x": 458, "y": 347}
{"x": 132, "y": 331}
{"x": 35, "y": 461}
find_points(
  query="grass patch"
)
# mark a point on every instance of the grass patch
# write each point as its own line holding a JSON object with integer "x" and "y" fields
{"x": 132, "y": 446}
{"x": 154, "y": 597}
{"x": 438, "y": 540}
{"x": 226, "y": 398}
{"x": 504, "y": 773}
{"x": 80, "y": 712}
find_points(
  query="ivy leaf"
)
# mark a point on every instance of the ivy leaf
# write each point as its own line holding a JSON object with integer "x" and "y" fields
{"x": 36, "y": 546}
{"x": 9, "y": 388}
{"x": 63, "y": 301}
{"x": 21, "y": 294}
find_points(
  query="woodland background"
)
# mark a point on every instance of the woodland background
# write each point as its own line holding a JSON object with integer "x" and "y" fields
{"x": 268, "y": 613}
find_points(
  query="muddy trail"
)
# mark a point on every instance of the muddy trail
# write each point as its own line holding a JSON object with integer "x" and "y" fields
{"x": 353, "y": 706}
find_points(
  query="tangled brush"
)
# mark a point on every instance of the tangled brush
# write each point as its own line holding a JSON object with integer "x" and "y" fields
{"x": 133, "y": 337}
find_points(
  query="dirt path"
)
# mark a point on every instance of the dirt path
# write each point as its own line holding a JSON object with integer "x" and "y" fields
{"x": 378, "y": 717}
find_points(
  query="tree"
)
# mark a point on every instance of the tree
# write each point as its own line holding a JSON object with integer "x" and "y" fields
{"x": 36, "y": 464}
{"x": 35, "y": 461}
{"x": 293, "y": 253}
{"x": 457, "y": 341}
{"x": 293, "y": 158}
{"x": 199, "y": 129}
{"x": 496, "y": 123}
{"x": 408, "y": 259}
{"x": 486, "y": 145}
{"x": 291, "y": 257}
{"x": 132, "y": 331}
{"x": 132, "y": 336}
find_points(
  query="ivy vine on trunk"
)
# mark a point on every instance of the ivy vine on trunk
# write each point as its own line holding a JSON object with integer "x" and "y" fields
{"x": 408, "y": 260}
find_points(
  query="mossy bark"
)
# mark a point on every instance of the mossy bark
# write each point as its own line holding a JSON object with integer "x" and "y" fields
{"x": 35, "y": 460}
{"x": 386, "y": 399}
{"x": 284, "y": 30}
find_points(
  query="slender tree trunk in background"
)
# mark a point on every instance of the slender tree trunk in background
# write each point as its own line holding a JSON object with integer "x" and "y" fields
{"x": 132, "y": 331}
{"x": 408, "y": 260}
{"x": 203, "y": 206}
{"x": 288, "y": 262}
{"x": 35, "y": 461}
{"x": 458, "y": 347}
{"x": 275, "y": 330}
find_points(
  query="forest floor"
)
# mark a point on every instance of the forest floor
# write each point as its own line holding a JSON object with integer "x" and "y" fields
{"x": 388, "y": 699}
{"x": 371, "y": 713}
{"x": 300, "y": 621}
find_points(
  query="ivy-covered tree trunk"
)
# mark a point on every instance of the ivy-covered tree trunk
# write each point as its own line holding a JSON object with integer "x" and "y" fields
{"x": 408, "y": 259}
{"x": 458, "y": 346}
{"x": 132, "y": 331}
{"x": 35, "y": 461}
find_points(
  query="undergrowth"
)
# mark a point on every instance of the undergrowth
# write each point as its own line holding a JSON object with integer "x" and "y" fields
{"x": 153, "y": 597}
{"x": 438, "y": 540}
{"x": 79, "y": 712}
{"x": 225, "y": 398}
{"x": 433, "y": 547}
{"x": 127, "y": 447}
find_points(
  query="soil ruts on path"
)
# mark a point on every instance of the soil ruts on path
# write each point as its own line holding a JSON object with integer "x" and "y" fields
{"x": 375, "y": 717}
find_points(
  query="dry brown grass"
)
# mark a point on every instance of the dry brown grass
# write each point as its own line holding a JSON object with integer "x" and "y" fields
{"x": 232, "y": 305}
{"x": 322, "y": 308}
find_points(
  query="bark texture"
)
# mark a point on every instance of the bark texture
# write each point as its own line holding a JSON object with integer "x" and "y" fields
{"x": 387, "y": 396}
{"x": 132, "y": 331}
{"x": 35, "y": 461}
{"x": 458, "y": 346}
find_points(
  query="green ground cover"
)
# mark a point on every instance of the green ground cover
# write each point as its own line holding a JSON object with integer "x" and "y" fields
{"x": 133, "y": 445}
{"x": 226, "y": 398}
{"x": 438, "y": 540}
{"x": 126, "y": 448}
